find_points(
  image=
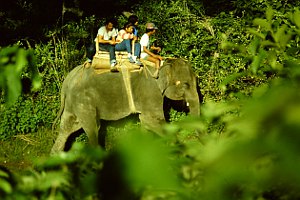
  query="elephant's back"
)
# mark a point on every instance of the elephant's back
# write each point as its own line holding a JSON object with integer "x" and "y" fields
{"x": 105, "y": 92}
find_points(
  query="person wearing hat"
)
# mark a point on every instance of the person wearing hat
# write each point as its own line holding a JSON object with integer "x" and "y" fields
{"x": 146, "y": 52}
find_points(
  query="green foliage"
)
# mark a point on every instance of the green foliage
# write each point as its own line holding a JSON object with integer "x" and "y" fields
{"x": 176, "y": 116}
{"x": 255, "y": 154}
{"x": 138, "y": 167}
{"x": 5, "y": 186}
{"x": 66, "y": 46}
{"x": 14, "y": 60}
{"x": 27, "y": 115}
{"x": 51, "y": 62}
{"x": 252, "y": 157}
{"x": 272, "y": 50}
{"x": 244, "y": 145}
{"x": 184, "y": 31}
{"x": 176, "y": 20}
{"x": 257, "y": 8}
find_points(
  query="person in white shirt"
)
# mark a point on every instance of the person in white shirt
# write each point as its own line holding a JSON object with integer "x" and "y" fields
{"x": 107, "y": 40}
{"x": 146, "y": 52}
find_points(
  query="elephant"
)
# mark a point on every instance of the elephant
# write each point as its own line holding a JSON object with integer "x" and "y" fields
{"x": 88, "y": 97}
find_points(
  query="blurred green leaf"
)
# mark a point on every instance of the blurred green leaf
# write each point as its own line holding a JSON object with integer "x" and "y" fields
{"x": 296, "y": 18}
{"x": 254, "y": 46}
{"x": 13, "y": 61}
{"x": 230, "y": 79}
{"x": 45, "y": 181}
{"x": 257, "y": 60}
{"x": 269, "y": 13}
{"x": 13, "y": 81}
{"x": 5, "y": 186}
{"x": 282, "y": 37}
{"x": 268, "y": 43}
{"x": 256, "y": 33}
{"x": 147, "y": 163}
{"x": 263, "y": 23}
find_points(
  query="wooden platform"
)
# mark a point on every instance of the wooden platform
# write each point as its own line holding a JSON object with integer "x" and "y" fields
{"x": 101, "y": 61}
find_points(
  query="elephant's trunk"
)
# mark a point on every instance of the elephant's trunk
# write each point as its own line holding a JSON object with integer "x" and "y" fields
{"x": 186, "y": 93}
{"x": 193, "y": 103}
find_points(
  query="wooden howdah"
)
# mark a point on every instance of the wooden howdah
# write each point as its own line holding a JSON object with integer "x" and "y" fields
{"x": 101, "y": 60}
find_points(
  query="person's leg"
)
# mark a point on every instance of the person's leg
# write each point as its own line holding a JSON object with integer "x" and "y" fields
{"x": 120, "y": 46}
{"x": 137, "y": 50}
{"x": 111, "y": 50}
{"x": 112, "y": 53}
{"x": 137, "y": 53}
{"x": 103, "y": 47}
{"x": 90, "y": 52}
{"x": 157, "y": 64}
{"x": 154, "y": 60}
{"x": 125, "y": 45}
{"x": 128, "y": 46}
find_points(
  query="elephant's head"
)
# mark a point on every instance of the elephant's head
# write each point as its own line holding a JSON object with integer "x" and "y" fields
{"x": 178, "y": 82}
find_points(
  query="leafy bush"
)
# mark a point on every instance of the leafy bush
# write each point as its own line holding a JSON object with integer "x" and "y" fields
{"x": 257, "y": 8}
{"x": 13, "y": 61}
{"x": 252, "y": 157}
{"x": 272, "y": 50}
{"x": 184, "y": 31}
{"x": 53, "y": 61}
{"x": 243, "y": 146}
{"x": 27, "y": 115}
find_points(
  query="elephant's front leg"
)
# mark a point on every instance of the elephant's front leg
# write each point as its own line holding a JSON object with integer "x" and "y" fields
{"x": 60, "y": 143}
{"x": 153, "y": 122}
{"x": 68, "y": 126}
{"x": 152, "y": 113}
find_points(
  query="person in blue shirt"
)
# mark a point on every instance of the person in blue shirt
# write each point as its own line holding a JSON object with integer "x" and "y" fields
{"x": 134, "y": 20}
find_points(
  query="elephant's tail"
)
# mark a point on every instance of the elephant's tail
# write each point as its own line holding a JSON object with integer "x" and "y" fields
{"x": 61, "y": 109}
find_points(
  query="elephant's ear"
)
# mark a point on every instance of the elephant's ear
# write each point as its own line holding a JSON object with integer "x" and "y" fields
{"x": 164, "y": 77}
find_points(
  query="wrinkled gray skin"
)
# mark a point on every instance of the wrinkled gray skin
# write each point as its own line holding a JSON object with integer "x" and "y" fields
{"x": 87, "y": 97}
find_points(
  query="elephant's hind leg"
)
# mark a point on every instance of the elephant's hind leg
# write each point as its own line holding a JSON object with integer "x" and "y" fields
{"x": 68, "y": 126}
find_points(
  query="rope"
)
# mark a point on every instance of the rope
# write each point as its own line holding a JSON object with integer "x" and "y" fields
{"x": 148, "y": 70}
{"x": 126, "y": 79}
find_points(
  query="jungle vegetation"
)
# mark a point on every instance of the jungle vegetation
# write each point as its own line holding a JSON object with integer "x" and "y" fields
{"x": 245, "y": 144}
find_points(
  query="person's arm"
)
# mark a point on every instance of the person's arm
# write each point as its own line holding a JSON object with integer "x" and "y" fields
{"x": 114, "y": 36}
{"x": 151, "y": 54}
{"x": 101, "y": 40}
{"x": 147, "y": 51}
{"x": 135, "y": 34}
{"x": 112, "y": 41}
{"x": 158, "y": 49}
{"x": 119, "y": 37}
{"x": 122, "y": 34}
{"x": 135, "y": 38}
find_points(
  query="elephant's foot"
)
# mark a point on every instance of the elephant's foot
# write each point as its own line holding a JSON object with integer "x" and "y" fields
{"x": 57, "y": 147}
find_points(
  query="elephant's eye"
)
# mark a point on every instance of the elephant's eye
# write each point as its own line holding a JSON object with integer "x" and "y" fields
{"x": 186, "y": 85}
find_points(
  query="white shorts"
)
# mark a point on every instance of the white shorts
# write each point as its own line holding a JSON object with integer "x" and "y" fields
{"x": 144, "y": 55}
